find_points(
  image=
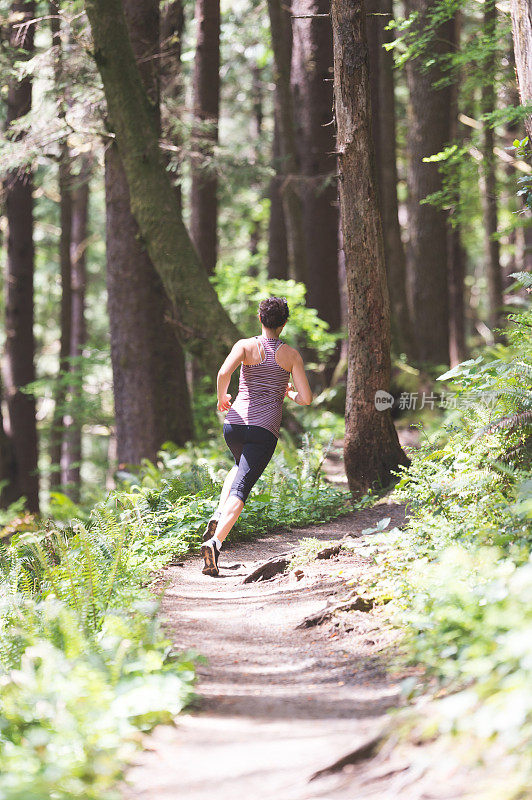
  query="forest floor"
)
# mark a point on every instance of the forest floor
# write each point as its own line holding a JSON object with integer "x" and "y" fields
{"x": 276, "y": 703}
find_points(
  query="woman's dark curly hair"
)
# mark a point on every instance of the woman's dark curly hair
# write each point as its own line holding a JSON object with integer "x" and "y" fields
{"x": 274, "y": 312}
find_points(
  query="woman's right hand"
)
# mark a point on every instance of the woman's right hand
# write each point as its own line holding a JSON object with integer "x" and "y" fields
{"x": 224, "y": 402}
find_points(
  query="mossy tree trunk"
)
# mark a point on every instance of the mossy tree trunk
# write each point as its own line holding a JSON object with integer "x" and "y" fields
{"x": 202, "y": 323}
{"x": 152, "y": 403}
{"x": 371, "y": 448}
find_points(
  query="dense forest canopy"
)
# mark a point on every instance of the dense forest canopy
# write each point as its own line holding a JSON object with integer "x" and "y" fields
{"x": 239, "y": 108}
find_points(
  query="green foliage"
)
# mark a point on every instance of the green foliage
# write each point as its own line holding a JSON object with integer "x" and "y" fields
{"x": 460, "y": 574}
{"x": 83, "y": 662}
{"x": 172, "y": 505}
{"x": 240, "y": 293}
{"x": 522, "y": 150}
{"x": 480, "y": 61}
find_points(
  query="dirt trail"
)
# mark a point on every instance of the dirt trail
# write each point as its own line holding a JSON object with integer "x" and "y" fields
{"x": 276, "y": 704}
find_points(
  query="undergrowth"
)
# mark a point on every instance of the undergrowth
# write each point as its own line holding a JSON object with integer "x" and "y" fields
{"x": 460, "y": 574}
{"x": 84, "y": 665}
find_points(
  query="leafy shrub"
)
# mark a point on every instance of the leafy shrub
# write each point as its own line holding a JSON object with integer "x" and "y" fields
{"x": 83, "y": 662}
{"x": 460, "y": 574}
{"x": 172, "y": 506}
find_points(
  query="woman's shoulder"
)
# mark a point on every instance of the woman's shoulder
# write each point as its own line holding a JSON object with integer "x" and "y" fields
{"x": 287, "y": 356}
{"x": 242, "y": 344}
{"x": 290, "y": 351}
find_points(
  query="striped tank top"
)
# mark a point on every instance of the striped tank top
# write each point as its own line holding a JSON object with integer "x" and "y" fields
{"x": 261, "y": 391}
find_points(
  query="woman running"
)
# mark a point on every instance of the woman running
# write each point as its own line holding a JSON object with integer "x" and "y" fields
{"x": 251, "y": 428}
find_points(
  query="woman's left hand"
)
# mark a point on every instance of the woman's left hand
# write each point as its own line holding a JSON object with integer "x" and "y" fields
{"x": 224, "y": 402}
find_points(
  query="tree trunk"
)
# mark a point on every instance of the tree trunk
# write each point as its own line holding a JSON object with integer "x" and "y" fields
{"x": 277, "y": 234}
{"x": 65, "y": 216}
{"x": 203, "y": 194}
{"x": 150, "y": 391}
{"x": 8, "y": 465}
{"x": 382, "y": 92}
{"x": 72, "y": 444}
{"x": 371, "y": 447}
{"x": 202, "y": 322}
{"x": 312, "y": 72}
{"x": 455, "y": 250}
{"x": 257, "y": 117}
{"x": 457, "y": 256}
{"x": 171, "y": 38}
{"x": 428, "y": 133}
{"x": 489, "y": 179}
{"x": 284, "y": 109}
{"x": 522, "y": 30}
{"x": 20, "y": 343}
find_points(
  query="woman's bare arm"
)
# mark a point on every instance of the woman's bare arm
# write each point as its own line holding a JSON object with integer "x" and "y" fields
{"x": 302, "y": 393}
{"x": 233, "y": 360}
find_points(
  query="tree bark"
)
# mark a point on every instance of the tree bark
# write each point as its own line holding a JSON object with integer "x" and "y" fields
{"x": 65, "y": 268}
{"x": 371, "y": 447}
{"x": 489, "y": 178}
{"x": 428, "y": 133}
{"x": 284, "y": 109}
{"x": 8, "y": 465}
{"x": 255, "y": 133}
{"x": 65, "y": 214}
{"x": 72, "y": 444}
{"x": 171, "y": 38}
{"x": 312, "y": 72}
{"x": 455, "y": 250}
{"x": 382, "y": 92}
{"x": 522, "y": 30}
{"x": 206, "y": 90}
{"x": 150, "y": 391}
{"x": 20, "y": 343}
{"x": 202, "y": 322}
{"x": 277, "y": 235}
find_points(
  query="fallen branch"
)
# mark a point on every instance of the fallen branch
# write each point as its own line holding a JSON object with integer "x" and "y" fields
{"x": 267, "y": 570}
{"x": 360, "y": 753}
{"x": 329, "y": 552}
{"x": 356, "y": 603}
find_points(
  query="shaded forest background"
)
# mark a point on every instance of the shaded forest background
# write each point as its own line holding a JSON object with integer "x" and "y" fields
{"x": 109, "y": 346}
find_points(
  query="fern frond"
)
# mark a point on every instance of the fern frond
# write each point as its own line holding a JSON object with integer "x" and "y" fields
{"x": 524, "y": 278}
{"x": 522, "y": 419}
